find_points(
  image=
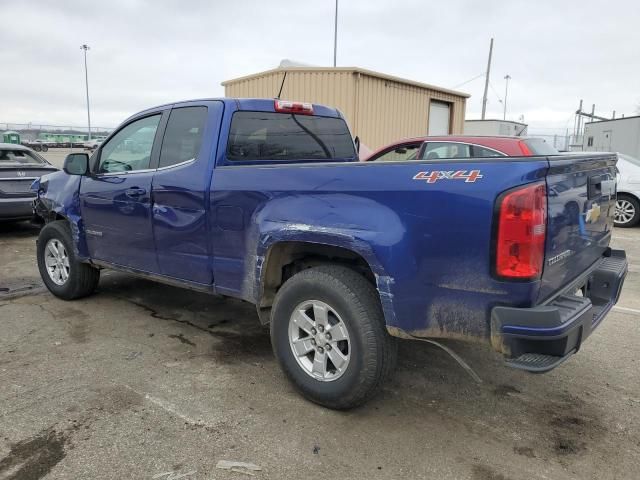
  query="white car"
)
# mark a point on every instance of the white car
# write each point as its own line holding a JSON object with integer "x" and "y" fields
{"x": 628, "y": 204}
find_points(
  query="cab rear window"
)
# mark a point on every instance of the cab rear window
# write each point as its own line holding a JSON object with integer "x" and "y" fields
{"x": 288, "y": 137}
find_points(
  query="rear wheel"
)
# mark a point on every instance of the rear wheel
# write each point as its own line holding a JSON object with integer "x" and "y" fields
{"x": 329, "y": 336}
{"x": 627, "y": 212}
{"x": 61, "y": 272}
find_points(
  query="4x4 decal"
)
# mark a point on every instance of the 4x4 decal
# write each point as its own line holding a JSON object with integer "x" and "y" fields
{"x": 469, "y": 176}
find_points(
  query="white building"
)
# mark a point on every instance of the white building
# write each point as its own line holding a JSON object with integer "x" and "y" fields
{"x": 495, "y": 127}
{"x": 618, "y": 135}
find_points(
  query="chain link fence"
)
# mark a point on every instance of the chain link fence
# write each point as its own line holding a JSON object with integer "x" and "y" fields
{"x": 30, "y": 132}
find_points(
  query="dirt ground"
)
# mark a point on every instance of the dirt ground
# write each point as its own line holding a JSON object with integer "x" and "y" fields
{"x": 149, "y": 381}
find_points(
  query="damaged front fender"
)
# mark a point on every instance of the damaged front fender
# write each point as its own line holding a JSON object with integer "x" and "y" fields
{"x": 58, "y": 197}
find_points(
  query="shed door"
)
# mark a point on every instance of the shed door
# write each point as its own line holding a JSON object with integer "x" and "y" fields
{"x": 607, "y": 140}
{"x": 439, "y": 118}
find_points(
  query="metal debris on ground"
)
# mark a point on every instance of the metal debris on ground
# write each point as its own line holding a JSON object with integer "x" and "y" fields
{"x": 173, "y": 475}
{"x": 453, "y": 355}
{"x": 239, "y": 467}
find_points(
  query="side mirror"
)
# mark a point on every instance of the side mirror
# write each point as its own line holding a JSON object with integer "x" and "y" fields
{"x": 76, "y": 164}
{"x": 356, "y": 141}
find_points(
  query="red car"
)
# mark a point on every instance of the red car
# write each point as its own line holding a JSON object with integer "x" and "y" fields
{"x": 460, "y": 146}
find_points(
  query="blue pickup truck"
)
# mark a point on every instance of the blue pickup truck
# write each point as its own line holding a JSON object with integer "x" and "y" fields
{"x": 264, "y": 200}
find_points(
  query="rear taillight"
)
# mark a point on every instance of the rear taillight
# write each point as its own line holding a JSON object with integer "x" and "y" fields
{"x": 285, "y": 106}
{"x": 522, "y": 221}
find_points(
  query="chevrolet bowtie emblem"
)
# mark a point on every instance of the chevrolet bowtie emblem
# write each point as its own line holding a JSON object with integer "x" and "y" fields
{"x": 593, "y": 214}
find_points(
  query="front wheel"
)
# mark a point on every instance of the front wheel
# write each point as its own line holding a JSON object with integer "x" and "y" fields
{"x": 627, "y": 213}
{"x": 61, "y": 272}
{"x": 328, "y": 334}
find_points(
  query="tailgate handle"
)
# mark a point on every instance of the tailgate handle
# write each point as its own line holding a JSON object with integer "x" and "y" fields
{"x": 595, "y": 186}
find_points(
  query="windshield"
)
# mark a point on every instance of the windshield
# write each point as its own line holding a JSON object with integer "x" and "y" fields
{"x": 539, "y": 146}
{"x": 20, "y": 157}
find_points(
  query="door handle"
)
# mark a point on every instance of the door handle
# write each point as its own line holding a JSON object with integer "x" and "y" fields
{"x": 135, "y": 192}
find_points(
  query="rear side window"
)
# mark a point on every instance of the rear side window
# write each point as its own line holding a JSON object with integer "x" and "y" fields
{"x": 539, "y": 146}
{"x": 19, "y": 157}
{"x": 400, "y": 153}
{"x": 288, "y": 137}
{"x": 183, "y": 136}
{"x": 437, "y": 150}
{"x": 483, "y": 152}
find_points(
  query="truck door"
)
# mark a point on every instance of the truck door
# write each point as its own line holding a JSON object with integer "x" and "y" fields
{"x": 180, "y": 192}
{"x": 115, "y": 200}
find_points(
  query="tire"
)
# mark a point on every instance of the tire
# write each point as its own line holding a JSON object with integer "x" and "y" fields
{"x": 37, "y": 148}
{"x": 627, "y": 211}
{"x": 352, "y": 301}
{"x": 81, "y": 279}
{"x": 45, "y": 148}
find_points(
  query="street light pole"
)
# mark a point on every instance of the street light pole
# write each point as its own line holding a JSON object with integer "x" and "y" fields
{"x": 86, "y": 81}
{"x": 335, "y": 37}
{"x": 507, "y": 77}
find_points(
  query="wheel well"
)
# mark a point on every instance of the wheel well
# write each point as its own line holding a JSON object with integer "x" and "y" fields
{"x": 53, "y": 216}
{"x": 285, "y": 259}
{"x": 627, "y": 194}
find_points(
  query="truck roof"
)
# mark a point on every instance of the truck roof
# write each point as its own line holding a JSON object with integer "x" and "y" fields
{"x": 252, "y": 104}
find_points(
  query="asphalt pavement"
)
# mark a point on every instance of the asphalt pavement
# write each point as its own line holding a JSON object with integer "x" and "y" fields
{"x": 143, "y": 380}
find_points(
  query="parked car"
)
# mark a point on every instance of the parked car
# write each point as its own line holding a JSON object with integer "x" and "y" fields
{"x": 265, "y": 201}
{"x": 91, "y": 145}
{"x": 37, "y": 145}
{"x": 628, "y": 203}
{"x": 460, "y": 146}
{"x": 19, "y": 167}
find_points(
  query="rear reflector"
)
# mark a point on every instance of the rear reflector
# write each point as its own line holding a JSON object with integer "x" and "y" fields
{"x": 522, "y": 232}
{"x": 286, "y": 106}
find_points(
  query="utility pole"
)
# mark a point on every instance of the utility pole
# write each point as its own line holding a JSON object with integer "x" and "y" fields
{"x": 578, "y": 120}
{"x": 85, "y": 47}
{"x": 507, "y": 77}
{"x": 335, "y": 37}
{"x": 486, "y": 81}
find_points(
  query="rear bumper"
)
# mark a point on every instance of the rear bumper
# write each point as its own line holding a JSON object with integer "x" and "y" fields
{"x": 16, "y": 208}
{"x": 540, "y": 338}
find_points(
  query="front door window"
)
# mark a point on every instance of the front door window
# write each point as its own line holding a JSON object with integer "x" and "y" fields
{"x": 130, "y": 149}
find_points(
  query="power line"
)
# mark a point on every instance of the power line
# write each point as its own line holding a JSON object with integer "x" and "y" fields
{"x": 470, "y": 80}
{"x": 495, "y": 92}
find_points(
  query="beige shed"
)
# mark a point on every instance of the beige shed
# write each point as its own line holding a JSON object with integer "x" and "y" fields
{"x": 380, "y": 108}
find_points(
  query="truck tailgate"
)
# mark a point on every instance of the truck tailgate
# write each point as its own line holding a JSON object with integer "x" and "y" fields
{"x": 581, "y": 190}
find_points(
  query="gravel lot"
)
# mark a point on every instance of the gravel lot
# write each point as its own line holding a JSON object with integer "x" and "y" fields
{"x": 148, "y": 381}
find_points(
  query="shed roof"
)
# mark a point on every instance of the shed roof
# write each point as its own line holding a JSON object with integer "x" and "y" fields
{"x": 349, "y": 69}
{"x": 614, "y": 119}
{"x": 494, "y": 120}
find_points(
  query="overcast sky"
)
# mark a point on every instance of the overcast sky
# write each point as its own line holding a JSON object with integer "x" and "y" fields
{"x": 149, "y": 52}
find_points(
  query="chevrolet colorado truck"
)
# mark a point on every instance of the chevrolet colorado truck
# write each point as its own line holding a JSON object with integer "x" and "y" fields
{"x": 265, "y": 201}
